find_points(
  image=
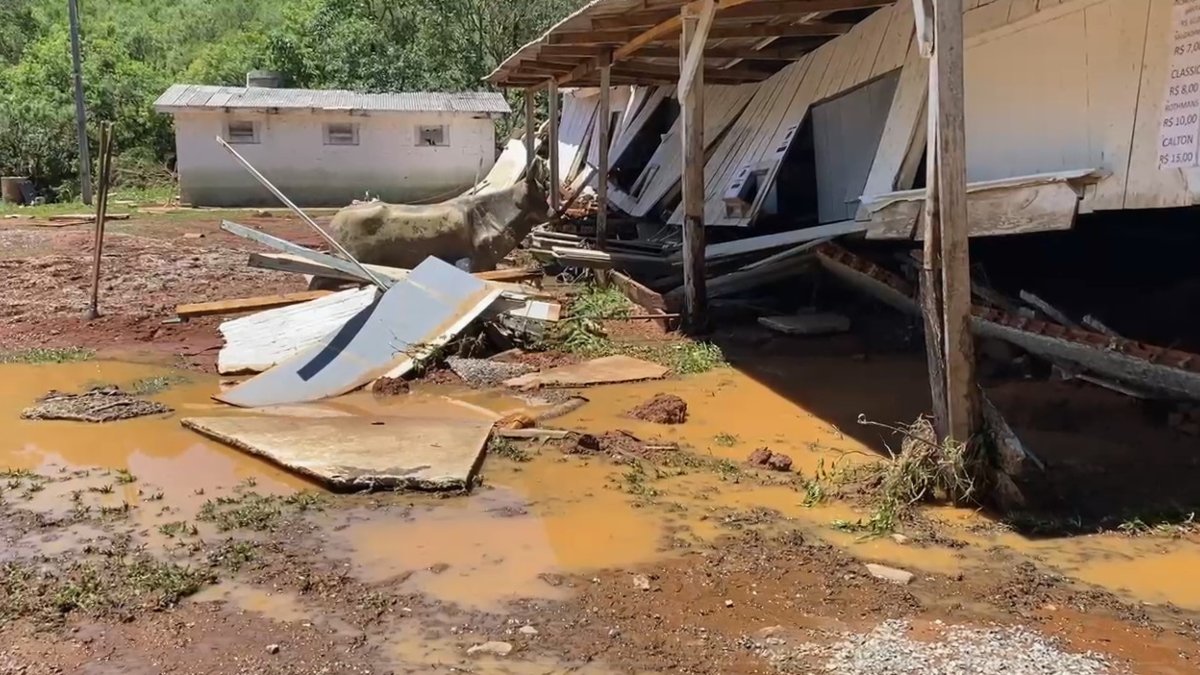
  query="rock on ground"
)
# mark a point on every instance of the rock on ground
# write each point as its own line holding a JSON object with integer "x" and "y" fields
{"x": 662, "y": 409}
{"x": 485, "y": 372}
{"x": 890, "y": 574}
{"x": 763, "y": 458}
{"x": 492, "y": 649}
{"x": 390, "y": 386}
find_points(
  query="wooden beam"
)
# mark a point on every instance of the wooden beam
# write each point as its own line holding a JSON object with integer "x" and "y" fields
{"x": 603, "y": 124}
{"x": 665, "y": 30}
{"x": 552, "y": 115}
{"x": 237, "y": 305}
{"x": 530, "y": 131}
{"x": 692, "y": 66}
{"x": 712, "y": 51}
{"x": 777, "y": 31}
{"x": 755, "y": 10}
{"x": 949, "y": 153}
{"x": 693, "y": 36}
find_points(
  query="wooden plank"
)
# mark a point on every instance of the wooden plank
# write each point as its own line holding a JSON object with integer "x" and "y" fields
{"x": 234, "y": 306}
{"x": 987, "y": 17}
{"x": 946, "y": 83}
{"x": 695, "y": 296}
{"x": 1148, "y": 186}
{"x": 1020, "y": 9}
{"x": 354, "y": 270}
{"x": 1115, "y": 34}
{"x": 781, "y": 239}
{"x": 637, "y": 293}
{"x": 552, "y": 130}
{"x": 874, "y": 29}
{"x": 1022, "y": 210}
{"x": 900, "y": 33}
{"x": 906, "y": 116}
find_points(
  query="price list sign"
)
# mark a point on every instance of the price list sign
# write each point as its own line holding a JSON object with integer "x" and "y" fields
{"x": 1179, "y": 133}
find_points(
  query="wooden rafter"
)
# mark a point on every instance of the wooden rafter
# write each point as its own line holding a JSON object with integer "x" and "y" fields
{"x": 755, "y": 10}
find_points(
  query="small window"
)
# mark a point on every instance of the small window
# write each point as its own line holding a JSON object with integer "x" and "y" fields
{"x": 341, "y": 133}
{"x": 432, "y": 135}
{"x": 241, "y": 132}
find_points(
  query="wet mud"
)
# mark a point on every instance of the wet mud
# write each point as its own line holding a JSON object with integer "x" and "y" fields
{"x": 408, "y": 582}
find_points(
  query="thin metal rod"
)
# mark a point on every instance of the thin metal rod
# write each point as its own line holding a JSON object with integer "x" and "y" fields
{"x": 85, "y": 160}
{"x": 303, "y": 216}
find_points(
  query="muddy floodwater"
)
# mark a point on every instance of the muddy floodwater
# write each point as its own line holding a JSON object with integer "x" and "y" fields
{"x": 529, "y": 524}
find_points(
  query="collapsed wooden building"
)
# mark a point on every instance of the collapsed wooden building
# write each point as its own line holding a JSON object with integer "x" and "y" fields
{"x": 811, "y": 123}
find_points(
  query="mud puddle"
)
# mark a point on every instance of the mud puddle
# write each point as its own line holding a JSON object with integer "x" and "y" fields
{"x": 533, "y": 524}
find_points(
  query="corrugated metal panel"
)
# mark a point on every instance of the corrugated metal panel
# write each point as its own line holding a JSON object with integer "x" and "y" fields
{"x": 200, "y": 96}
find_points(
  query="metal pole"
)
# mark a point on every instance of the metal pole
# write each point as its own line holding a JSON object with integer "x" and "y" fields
{"x": 303, "y": 216}
{"x": 85, "y": 161}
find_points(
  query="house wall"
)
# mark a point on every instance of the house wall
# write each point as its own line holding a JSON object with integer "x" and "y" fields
{"x": 1057, "y": 85}
{"x": 291, "y": 153}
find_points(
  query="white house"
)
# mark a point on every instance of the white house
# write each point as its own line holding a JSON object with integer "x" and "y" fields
{"x": 327, "y": 147}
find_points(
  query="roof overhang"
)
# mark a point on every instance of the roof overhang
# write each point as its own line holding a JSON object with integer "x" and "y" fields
{"x": 749, "y": 41}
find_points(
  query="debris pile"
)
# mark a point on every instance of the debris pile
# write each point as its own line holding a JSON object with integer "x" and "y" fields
{"x": 100, "y": 404}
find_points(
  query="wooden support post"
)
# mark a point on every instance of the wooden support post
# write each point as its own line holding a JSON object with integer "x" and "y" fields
{"x": 946, "y": 219}
{"x": 695, "y": 24}
{"x": 530, "y": 129}
{"x": 603, "y": 122}
{"x": 555, "y": 181}
{"x": 106, "y": 148}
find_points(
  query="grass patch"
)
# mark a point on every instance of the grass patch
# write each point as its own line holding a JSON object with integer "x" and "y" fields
{"x": 506, "y": 448}
{"x": 598, "y": 303}
{"x": 118, "y": 581}
{"x": 178, "y": 529}
{"x": 725, "y": 440}
{"x": 147, "y": 386}
{"x": 252, "y": 511}
{"x": 925, "y": 471}
{"x": 125, "y": 478}
{"x": 233, "y": 555}
{"x": 47, "y": 355}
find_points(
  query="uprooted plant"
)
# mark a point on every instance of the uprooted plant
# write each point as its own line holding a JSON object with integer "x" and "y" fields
{"x": 925, "y": 471}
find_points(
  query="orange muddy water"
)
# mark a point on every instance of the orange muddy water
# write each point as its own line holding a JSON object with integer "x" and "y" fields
{"x": 554, "y": 515}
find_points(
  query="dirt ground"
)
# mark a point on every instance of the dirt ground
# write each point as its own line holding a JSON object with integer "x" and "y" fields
{"x": 142, "y": 549}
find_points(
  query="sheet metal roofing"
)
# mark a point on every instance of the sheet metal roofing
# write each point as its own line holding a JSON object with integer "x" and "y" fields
{"x": 198, "y": 96}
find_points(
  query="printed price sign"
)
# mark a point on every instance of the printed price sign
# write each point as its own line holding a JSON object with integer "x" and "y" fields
{"x": 1179, "y": 129}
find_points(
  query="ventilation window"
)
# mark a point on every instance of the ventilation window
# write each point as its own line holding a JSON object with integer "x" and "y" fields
{"x": 432, "y": 135}
{"x": 243, "y": 132}
{"x": 342, "y": 133}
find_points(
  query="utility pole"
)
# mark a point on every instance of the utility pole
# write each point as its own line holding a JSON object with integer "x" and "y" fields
{"x": 85, "y": 161}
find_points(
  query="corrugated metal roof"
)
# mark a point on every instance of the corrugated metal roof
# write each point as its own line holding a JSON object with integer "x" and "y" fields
{"x": 181, "y": 96}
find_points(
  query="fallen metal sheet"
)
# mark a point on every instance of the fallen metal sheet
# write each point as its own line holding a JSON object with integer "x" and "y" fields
{"x": 359, "y": 453}
{"x": 406, "y": 324}
{"x": 263, "y": 340}
{"x": 257, "y": 342}
{"x": 347, "y": 268}
{"x": 607, "y": 370}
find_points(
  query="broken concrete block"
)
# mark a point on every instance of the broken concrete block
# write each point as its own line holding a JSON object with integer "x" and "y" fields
{"x": 890, "y": 574}
{"x": 491, "y": 649}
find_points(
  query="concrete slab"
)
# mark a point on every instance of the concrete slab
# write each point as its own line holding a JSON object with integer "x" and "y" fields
{"x": 826, "y": 323}
{"x": 360, "y": 453}
{"x": 607, "y": 370}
